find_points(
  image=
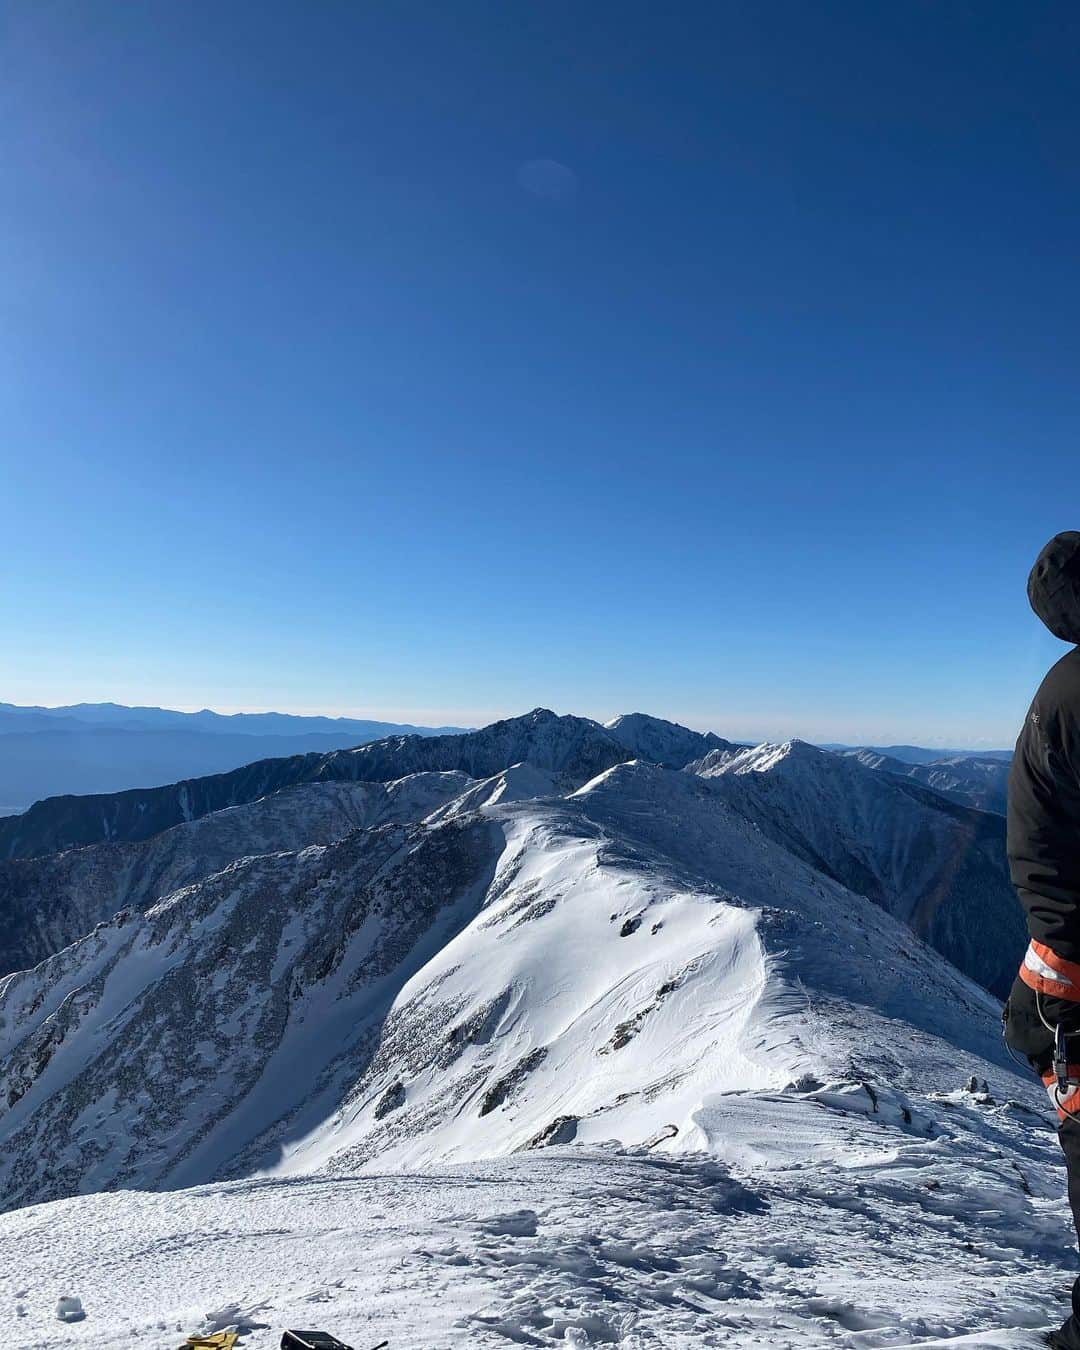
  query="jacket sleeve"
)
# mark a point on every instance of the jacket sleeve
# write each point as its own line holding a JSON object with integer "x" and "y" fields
{"x": 1044, "y": 823}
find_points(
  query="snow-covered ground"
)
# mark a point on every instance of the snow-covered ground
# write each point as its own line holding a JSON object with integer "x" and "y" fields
{"x": 835, "y": 1229}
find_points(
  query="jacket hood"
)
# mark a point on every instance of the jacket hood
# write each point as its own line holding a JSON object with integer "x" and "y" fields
{"x": 1054, "y": 586}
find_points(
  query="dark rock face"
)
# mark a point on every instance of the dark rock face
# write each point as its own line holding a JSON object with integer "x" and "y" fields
{"x": 502, "y": 1090}
{"x": 562, "y": 1130}
{"x": 391, "y": 1100}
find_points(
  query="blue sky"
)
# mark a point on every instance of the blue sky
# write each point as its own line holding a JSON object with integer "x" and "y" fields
{"x": 439, "y": 361}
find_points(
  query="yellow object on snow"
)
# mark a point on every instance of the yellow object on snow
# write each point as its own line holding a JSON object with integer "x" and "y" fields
{"x": 219, "y": 1340}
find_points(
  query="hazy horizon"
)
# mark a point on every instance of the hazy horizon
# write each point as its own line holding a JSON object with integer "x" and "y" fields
{"x": 435, "y": 718}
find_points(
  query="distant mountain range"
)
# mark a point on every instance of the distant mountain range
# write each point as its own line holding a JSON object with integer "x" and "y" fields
{"x": 973, "y": 780}
{"x": 921, "y": 754}
{"x": 77, "y": 716}
{"x": 105, "y": 747}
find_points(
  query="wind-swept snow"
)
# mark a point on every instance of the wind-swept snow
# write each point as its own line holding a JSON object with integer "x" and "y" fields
{"x": 838, "y": 1230}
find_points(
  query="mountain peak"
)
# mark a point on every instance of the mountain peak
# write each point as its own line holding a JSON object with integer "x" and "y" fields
{"x": 764, "y": 758}
{"x": 662, "y": 741}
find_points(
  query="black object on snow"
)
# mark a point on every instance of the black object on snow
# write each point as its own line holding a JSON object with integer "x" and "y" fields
{"x": 318, "y": 1340}
{"x": 312, "y": 1340}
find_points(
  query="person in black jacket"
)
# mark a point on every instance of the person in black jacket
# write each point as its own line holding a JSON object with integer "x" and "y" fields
{"x": 1042, "y": 1016}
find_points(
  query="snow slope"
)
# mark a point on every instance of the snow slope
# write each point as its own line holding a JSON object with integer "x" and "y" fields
{"x": 852, "y": 1233}
{"x": 939, "y": 867}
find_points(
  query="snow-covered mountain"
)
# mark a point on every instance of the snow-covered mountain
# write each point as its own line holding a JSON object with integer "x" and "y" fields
{"x": 49, "y": 902}
{"x": 533, "y": 1040}
{"x": 663, "y": 742}
{"x": 972, "y": 780}
{"x": 937, "y": 866}
{"x": 574, "y": 748}
{"x": 595, "y": 962}
{"x": 887, "y": 840}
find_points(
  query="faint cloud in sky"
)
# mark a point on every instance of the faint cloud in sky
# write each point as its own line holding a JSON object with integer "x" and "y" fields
{"x": 548, "y": 179}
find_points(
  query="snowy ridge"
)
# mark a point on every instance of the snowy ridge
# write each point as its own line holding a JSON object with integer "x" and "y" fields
{"x": 587, "y": 968}
{"x": 156, "y": 844}
{"x": 48, "y": 903}
{"x": 574, "y": 748}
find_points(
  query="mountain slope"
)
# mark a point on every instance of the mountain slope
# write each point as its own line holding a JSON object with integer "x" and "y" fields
{"x": 937, "y": 866}
{"x": 584, "y": 968}
{"x": 571, "y": 747}
{"x": 49, "y": 902}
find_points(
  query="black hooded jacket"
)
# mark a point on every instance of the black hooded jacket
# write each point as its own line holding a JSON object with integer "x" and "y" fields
{"x": 1044, "y": 781}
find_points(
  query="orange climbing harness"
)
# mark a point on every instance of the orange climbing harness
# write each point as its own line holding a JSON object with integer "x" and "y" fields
{"x": 1047, "y": 973}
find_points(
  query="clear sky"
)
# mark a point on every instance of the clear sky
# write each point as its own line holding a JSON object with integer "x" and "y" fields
{"x": 436, "y": 361}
